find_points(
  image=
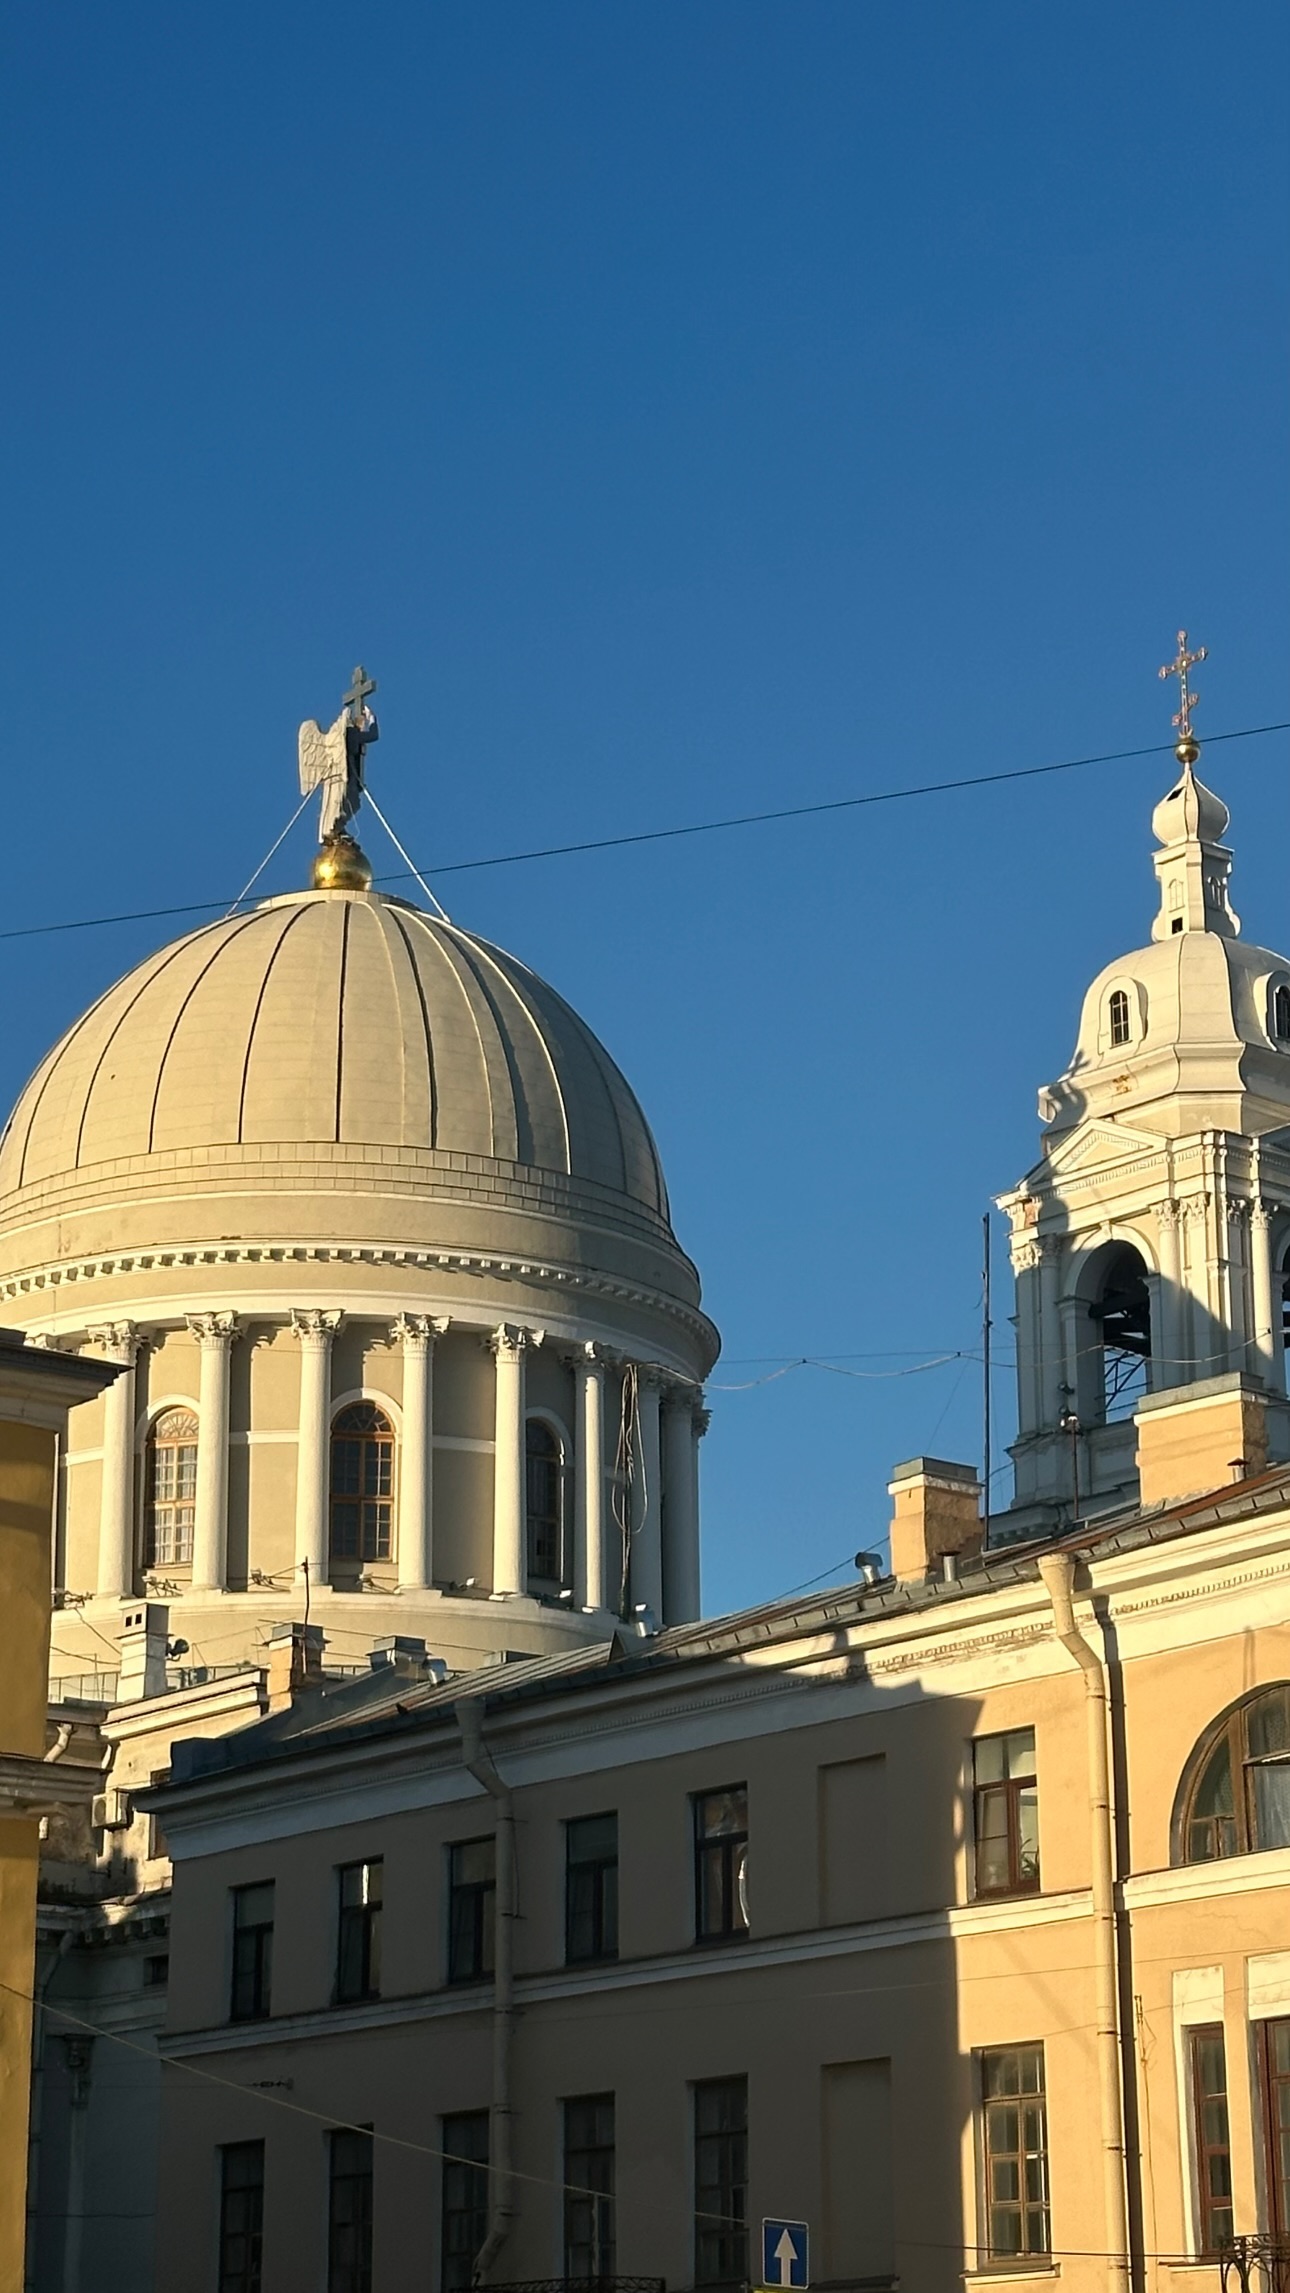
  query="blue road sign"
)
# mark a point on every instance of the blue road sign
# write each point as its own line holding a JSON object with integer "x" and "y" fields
{"x": 786, "y": 2253}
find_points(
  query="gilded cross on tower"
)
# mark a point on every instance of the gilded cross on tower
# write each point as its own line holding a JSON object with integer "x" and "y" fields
{"x": 1188, "y": 747}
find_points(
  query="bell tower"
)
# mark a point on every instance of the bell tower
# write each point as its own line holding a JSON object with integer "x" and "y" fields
{"x": 1150, "y": 1241}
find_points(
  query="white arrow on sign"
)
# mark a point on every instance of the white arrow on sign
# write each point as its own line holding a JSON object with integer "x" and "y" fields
{"x": 786, "y": 2255}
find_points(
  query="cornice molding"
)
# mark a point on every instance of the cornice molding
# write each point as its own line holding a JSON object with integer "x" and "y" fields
{"x": 59, "y": 1277}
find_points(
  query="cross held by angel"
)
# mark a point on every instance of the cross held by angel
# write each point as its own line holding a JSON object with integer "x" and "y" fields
{"x": 333, "y": 760}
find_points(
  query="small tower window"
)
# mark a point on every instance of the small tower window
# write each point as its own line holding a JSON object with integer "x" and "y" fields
{"x": 544, "y": 1502}
{"x": 362, "y": 1484}
{"x": 1118, "y": 1012}
{"x": 1281, "y": 1011}
{"x": 170, "y": 1490}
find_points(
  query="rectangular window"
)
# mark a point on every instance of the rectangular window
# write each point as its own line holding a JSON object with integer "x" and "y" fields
{"x": 1005, "y": 1813}
{"x": 465, "y": 2197}
{"x": 589, "y": 2238}
{"x": 472, "y": 1886}
{"x": 349, "y": 2213}
{"x": 721, "y": 1862}
{"x": 252, "y": 1952}
{"x": 358, "y": 1940}
{"x": 721, "y": 2182}
{"x": 241, "y": 2216}
{"x": 1014, "y": 2126}
{"x": 591, "y": 1888}
{"x": 1213, "y": 2143}
{"x": 1274, "y": 2060}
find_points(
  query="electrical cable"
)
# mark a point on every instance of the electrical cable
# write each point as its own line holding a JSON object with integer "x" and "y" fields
{"x": 692, "y": 828}
{"x": 550, "y": 2181}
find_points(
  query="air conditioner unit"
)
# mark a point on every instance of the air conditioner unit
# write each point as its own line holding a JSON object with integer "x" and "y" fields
{"x": 110, "y": 1810}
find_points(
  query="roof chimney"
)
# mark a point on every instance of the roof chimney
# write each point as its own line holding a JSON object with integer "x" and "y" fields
{"x": 142, "y": 1651}
{"x": 295, "y": 1662}
{"x": 936, "y": 1510}
{"x": 400, "y": 1652}
{"x": 1190, "y": 1436}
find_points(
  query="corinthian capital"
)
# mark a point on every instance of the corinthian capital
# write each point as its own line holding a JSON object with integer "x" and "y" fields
{"x": 508, "y": 1337}
{"x": 417, "y": 1332}
{"x": 214, "y": 1329}
{"x": 316, "y": 1325}
{"x": 120, "y": 1340}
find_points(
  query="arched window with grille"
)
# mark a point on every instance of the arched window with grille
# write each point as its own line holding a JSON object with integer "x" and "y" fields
{"x": 545, "y": 1486}
{"x": 1235, "y": 1796}
{"x": 170, "y": 1489}
{"x": 1281, "y": 1011}
{"x": 362, "y": 1484}
{"x": 1118, "y": 1015}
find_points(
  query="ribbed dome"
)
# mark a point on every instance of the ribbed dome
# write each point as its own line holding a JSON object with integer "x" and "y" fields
{"x": 342, "y": 1019}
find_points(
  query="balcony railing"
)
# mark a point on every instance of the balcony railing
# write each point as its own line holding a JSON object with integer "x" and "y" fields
{"x": 1257, "y": 2264}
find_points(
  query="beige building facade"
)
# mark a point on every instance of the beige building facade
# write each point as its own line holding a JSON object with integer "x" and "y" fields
{"x": 951, "y": 1916}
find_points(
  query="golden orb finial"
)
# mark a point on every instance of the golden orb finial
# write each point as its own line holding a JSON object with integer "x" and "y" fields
{"x": 342, "y": 867}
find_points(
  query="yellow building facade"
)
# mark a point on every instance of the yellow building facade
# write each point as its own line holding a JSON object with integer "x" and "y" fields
{"x": 37, "y": 1390}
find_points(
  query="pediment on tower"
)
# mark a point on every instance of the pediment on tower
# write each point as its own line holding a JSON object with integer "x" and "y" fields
{"x": 1095, "y": 1145}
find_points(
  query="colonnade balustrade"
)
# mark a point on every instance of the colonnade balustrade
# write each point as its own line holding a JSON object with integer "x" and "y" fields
{"x": 660, "y": 1494}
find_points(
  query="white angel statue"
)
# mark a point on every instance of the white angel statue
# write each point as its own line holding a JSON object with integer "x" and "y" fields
{"x": 333, "y": 760}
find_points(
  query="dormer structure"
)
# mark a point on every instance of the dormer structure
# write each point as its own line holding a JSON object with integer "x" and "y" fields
{"x": 1150, "y": 1242}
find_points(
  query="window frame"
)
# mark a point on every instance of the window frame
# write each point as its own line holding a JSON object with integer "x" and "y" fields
{"x": 722, "y": 1849}
{"x": 1012, "y": 1789}
{"x": 1119, "y": 1019}
{"x": 249, "y": 2277}
{"x": 733, "y": 2229}
{"x": 1208, "y": 2203}
{"x": 345, "y": 2274}
{"x": 362, "y": 1918}
{"x": 1229, "y": 1732}
{"x": 258, "y": 1936}
{"x": 990, "y": 2107}
{"x": 1279, "y": 1009}
{"x": 381, "y": 1439}
{"x": 542, "y": 1421}
{"x": 456, "y": 2159}
{"x": 177, "y": 1509}
{"x": 603, "y": 1889}
{"x": 480, "y": 1896}
{"x": 582, "y": 2189}
{"x": 1274, "y": 2096}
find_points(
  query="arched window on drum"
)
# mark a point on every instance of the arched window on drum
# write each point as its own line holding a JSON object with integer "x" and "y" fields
{"x": 170, "y": 1490}
{"x": 545, "y": 1492}
{"x": 362, "y": 1484}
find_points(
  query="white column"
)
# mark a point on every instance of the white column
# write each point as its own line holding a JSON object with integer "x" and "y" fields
{"x": 120, "y": 1341}
{"x": 417, "y": 1334}
{"x": 215, "y": 1334}
{"x": 1051, "y": 1373}
{"x": 680, "y": 1509}
{"x": 1027, "y": 1323}
{"x": 508, "y": 1346}
{"x": 1263, "y": 1357}
{"x": 315, "y": 1328}
{"x": 589, "y": 1481}
{"x": 646, "y": 1578}
{"x": 1167, "y": 1337}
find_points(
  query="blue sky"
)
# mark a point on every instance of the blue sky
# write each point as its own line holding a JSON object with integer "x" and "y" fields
{"x": 683, "y": 410}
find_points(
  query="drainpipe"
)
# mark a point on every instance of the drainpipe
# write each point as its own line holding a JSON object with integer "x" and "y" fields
{"x": 1058, "y": 1573}
{"x": 478, "y": 1761}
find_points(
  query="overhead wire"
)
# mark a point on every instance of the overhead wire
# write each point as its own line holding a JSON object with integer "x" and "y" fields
{"x": 259, "y": 2093}
{"x": 688, "y": 828}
